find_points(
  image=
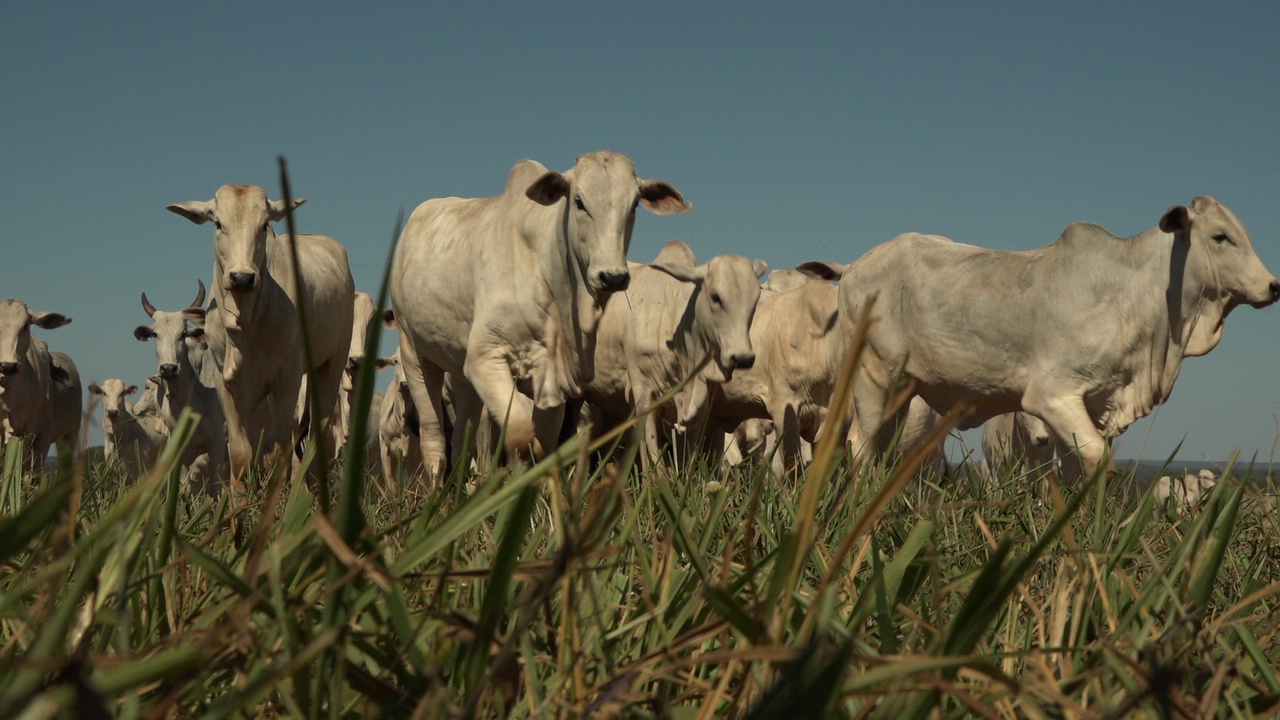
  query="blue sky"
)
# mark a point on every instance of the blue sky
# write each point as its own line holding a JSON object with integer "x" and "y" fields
{"x": 799, "y": 133}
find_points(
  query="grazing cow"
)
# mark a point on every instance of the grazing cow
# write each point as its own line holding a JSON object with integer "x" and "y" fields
{"x": 133, "y": 440}
{"x": 39, "y": 391}
{"x": 653, "y": 335}
{"x": 184, "y": 383}
{"x": 253, "y": 325}
{"x": 504, "y": 293}
{"x": 1018, "y": 442}
{"x": 1187, "y": 492}
{"x": 399, "y": 441}
{"x": 1088, "y": 333}
{"x": 795, "y": 335}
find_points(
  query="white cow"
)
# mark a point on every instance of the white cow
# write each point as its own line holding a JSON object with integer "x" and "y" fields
{"x": 798, "y": 348}
{"x": 1187, "y": 492}
{"x": 504, "y": 292}
{"x": 363, "y": 310}
{"x": 253, "y": 325}
{"x": 400, "y": 444}
{"x": 187, "y": 379}
{"x": 1088, "y": 333}
{"x": 654, "y": 334}
{"x": 133, "y": 440}
{"x": 40, "y": 392}
{"x": 1018, "y": 442}
{"x": 783, "y": 279}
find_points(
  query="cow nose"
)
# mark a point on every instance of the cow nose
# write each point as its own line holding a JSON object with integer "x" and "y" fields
{"x": 614, "y": 281}
{"x": 169, "y": 371}
{"x": 744, "y": 361}
{"x": 112, "y": 413}
{"x": 1275, "y": 290}
{"x": 8, "y": 368}
{"x": 243, "y": 280}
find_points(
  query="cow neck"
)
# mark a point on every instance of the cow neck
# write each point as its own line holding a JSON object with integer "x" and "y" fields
{"x": 25, "y": 389}
{"x": 690, "y": 341}
{"x": 262, "y": 317}
{"x": 574, "y": 313}
{"x": 179, "y": 391}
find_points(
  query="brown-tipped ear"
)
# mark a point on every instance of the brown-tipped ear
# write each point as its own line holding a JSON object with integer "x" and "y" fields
{"x": 197, "y": 211}
{"x": 548, "y": 189}
{"x": 277, "y": 210}
{"x": 662, "y": 198}
{"x": 389, "y": 318}
{"x": 143, "y": 333}
{"x": 384, "y": 363}
{"x": 1176, "y": 219}
{"x": 131, "y": 390}
{"x": 822, "y": 270}
{"x": 682, "y": 272}
{"x": 196, "y": 333}
{"x": 94, "y": 389}
{"x": 49, "y": 320}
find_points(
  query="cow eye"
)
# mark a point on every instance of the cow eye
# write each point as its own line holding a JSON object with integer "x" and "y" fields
{"x": 1222, "y": 237}
{"x": 715, "y": 299}
{"x": 265, "y": 224}
{"x": 217, "y": 225}
{"x": 577, "y": 201}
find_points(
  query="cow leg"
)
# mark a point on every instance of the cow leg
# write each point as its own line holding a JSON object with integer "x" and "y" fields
{"x": 786, "y": 423}
{"x": 546, "y": 428}
{"x": 1070, "y": 421}
{"x": 328, "y": 386}
{"x": 426, "y": 388}
{"x": 491, "y": 377}
{"x": 468, "y": 413}
{"x": 868, "y": 408}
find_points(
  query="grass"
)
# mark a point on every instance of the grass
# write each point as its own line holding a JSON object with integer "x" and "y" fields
{"x": 553, "y": 591}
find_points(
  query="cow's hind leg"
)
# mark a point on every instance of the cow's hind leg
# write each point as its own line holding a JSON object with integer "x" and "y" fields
{"x": 426, "y": 388}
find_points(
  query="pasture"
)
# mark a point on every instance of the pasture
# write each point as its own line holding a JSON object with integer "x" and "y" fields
{"x": 557, "y": 591}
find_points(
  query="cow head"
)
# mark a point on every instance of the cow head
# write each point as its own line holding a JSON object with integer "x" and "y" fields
{"x": 601, "y": 193}
{"x": 724, "y": 303}
{"x": 16, "y": 320}
{"x": 174, "y": 337}
{"x": 1220, "y": 260}
{"x": 241, "y": 217}
{"x": 1036, "y": 431}
{"x": 113, "y": 392}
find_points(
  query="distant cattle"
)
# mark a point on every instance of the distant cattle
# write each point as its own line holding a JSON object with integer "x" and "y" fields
{"x": 1184, "y": 493}
{"x": 187, "y": 378}
{"x": 253, "y": 325}
{"x": 1020, "y": 443}
{"x": 673, "y": 315}
{"x": 1088, "y": 333}
{"x": 504, "y": 293}
{"x": 796, "y": 338}
{"x": 133, "y": 440}
{"x": 40, "y": 392}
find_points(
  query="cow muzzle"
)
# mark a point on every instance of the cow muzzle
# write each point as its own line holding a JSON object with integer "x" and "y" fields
{"x": 743, "y": 361}
{"x": 242, "y": 281}
{"x": 1274, "y": 290}
{"x": 113, "y": 414}
{"x": 8, "y": 368}
{"x": 169, "y": 371}
{"x": 613, "y": 281}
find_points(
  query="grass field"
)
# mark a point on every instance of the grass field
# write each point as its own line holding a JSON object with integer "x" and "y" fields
{"x": 555, "y": 592}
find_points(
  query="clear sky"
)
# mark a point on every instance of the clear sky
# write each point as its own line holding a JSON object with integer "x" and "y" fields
{"x": 799, "y": 131}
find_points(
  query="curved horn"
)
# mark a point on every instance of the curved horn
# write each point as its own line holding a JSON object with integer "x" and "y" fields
{"x": 199, "y": 296}
{"x": 146, "y": 305}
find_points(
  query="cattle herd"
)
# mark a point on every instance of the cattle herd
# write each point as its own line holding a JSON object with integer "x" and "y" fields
{"x": 519, "y": 317}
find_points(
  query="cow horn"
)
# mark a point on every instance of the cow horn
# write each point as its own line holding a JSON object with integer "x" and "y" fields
{"x": 199, "y": 296}
{"x": 146, "y": 305}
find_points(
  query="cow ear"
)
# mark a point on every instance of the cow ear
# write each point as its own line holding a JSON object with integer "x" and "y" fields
{"x": 822, "y": 270}
{"x": 131, "y": 390}
{"x": 759, "y": 267}
{"x": 143, "y": 333}
{"x": 196, "y": 333}
{"x": 276, "y": 209}
{"x": 389, "y": 318}
{"x": 384, "y": 363}
{"x": 548, "y": 189}
{"x": 49, "y": 320}
{"x": 94, "y": 389}
{"x": 195, "y": 315}
{"x": 683, "y": 273}
{"x": 662, "y": 198}
{"x": 1176, "y": 219}
{"x": 197, "y": 211}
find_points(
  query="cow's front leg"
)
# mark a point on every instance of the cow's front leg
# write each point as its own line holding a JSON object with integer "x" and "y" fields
{"x": 489, "y": 373}
{"x": 1067, "y": 417}
{"x": 426, "y": 389}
